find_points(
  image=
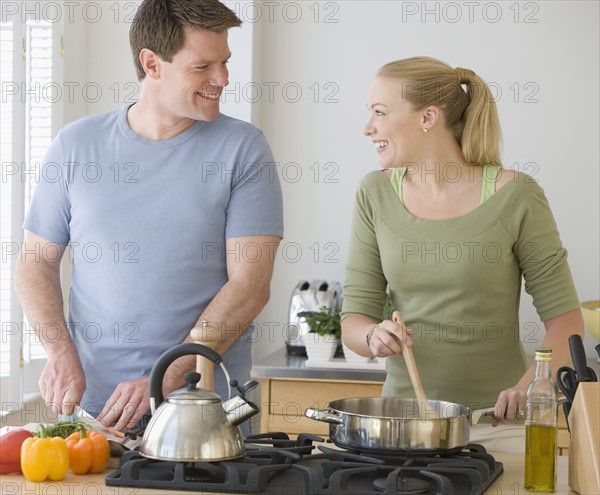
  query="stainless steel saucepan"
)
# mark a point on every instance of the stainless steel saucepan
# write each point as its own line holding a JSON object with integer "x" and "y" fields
{"x": 388, "y": 424}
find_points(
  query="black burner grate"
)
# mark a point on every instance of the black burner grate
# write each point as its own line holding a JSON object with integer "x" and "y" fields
{"x": 274, "y": 465}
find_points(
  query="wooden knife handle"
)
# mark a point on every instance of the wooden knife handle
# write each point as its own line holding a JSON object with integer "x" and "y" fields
{"x": 208, "y": 335}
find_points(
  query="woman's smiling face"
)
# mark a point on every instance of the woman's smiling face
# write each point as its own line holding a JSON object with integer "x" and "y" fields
{"x": 394, "y": 126}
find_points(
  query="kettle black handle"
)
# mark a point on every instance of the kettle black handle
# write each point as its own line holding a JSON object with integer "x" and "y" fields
{"x": 166, "y": 358}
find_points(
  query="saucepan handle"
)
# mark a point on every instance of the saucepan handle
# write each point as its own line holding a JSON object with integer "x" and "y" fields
{"x": 325, "y": 415}
{"x": 477, "y": 414}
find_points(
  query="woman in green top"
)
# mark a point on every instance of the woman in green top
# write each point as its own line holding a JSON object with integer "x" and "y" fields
{"x": 450, "y": 234}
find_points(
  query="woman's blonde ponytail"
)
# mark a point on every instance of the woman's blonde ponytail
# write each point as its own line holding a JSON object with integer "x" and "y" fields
{"x": 481, "y": 136}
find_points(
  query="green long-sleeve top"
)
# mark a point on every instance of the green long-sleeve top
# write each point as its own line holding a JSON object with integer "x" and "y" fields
{"x": 458, "y": 283}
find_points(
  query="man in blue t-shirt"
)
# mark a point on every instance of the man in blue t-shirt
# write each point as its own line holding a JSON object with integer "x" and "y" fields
{"x": 173, "y": 214}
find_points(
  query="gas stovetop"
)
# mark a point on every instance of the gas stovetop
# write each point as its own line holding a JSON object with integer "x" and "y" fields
{"x": 274, "y": 464}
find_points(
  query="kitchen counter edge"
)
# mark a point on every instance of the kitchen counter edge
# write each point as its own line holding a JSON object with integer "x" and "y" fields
{"x": 509, "y": 482}
{"x": 280, "y": 365}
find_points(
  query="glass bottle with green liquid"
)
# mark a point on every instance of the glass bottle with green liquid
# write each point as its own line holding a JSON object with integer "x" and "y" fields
{"x": 541, "y": 427}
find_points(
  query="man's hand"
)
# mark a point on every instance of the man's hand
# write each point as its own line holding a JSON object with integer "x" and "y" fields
{"x": 62, "y": 382}
{"x": 127, "y": 404}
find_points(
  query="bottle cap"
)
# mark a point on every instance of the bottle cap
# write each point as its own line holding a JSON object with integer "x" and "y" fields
{"x": 543, "y": 354}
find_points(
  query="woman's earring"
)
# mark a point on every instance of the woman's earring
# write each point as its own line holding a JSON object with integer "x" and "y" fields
{"x": 425, "y": 130}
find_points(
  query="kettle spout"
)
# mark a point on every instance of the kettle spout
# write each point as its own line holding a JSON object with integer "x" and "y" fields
{"x": 237, "y": 410}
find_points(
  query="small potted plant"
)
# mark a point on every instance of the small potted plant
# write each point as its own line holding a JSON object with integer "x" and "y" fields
{"x": 324, "y": 335}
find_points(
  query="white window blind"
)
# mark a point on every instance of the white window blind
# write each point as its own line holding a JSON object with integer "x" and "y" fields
{"x": 26, "y": 118}
{"x": 6, "y": 156}
{"x": 38, "y": 133}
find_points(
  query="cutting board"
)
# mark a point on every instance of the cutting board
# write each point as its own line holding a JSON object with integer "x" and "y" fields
{"x": 34, "y": 426}
{"x": 584, "y": 446}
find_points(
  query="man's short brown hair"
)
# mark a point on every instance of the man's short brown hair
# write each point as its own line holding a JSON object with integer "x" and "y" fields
{"x": 159, "y": 25}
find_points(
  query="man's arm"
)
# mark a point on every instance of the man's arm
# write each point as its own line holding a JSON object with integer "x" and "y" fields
{"x": 250, "y": 263}
{"x": 37, "y": 282}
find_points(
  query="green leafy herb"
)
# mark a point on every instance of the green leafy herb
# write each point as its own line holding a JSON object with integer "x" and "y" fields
{"x": 323, "y": 322}
{"x": 60, "y": 429}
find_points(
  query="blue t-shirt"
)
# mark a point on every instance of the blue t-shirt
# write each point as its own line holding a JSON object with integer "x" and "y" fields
{"x": 146, "y": 222}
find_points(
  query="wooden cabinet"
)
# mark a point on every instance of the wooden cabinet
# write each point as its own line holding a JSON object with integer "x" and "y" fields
{"x": 283, "y": 401}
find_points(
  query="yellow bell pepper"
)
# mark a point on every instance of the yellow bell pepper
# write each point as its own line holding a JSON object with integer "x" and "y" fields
{"x": 89, "y": 451}
{"x": 44, "y": 458}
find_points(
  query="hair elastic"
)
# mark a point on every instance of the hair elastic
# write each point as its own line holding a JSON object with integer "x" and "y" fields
{"x": 464, "y": 75}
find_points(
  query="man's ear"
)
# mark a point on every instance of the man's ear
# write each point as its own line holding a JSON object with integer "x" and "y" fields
{"x": 151, "y": 63}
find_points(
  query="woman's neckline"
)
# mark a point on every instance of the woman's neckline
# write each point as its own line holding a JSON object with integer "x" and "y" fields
{"x": 456, "y": 218}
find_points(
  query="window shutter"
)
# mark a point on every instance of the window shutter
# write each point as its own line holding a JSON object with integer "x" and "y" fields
{"x": 6, "y": 198}
{"x": 26, "y": 124}
{"x": 38, "y": 135}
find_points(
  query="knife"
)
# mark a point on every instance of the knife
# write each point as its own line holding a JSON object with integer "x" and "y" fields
{"x": 83, "y": 415}
{"x": 117, "y": 448}
{"x": 578, "y": 358}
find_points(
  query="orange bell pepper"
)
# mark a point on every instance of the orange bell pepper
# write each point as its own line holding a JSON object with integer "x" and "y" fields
{"x": 44, "y": 458}
{"x": 89, "y": 451}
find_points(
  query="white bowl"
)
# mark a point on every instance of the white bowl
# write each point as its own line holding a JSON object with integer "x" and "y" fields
{"x": 591, "y": 317}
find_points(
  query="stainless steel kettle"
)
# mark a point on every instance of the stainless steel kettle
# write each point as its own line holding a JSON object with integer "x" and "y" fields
{"x": 193, "y": 424}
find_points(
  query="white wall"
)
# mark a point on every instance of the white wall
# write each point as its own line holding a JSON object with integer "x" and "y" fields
{"x": 550, "y": 124}
{"x": 540, "y": 58}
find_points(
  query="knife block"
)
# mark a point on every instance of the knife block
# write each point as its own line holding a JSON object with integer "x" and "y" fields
{"x": 584, "y": 446}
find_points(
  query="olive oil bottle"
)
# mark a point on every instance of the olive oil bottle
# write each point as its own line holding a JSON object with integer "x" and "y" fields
{"x": 541, "y": 427}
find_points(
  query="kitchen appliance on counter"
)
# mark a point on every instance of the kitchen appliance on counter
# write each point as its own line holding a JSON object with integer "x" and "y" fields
{"x": 274, "y": 464}
{"x": 309, "y": 296}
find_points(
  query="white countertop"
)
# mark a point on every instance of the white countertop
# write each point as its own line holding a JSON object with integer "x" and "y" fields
{"x": 510, "y": 482}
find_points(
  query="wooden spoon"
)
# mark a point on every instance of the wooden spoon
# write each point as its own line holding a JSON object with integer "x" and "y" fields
{"x": 426, "y": 410}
